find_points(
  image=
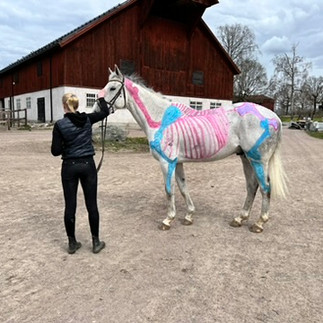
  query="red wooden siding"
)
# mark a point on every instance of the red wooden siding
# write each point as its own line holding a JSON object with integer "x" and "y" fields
{"x": 165, "y": 53}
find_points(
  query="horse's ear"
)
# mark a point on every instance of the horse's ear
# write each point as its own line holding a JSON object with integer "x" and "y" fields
{"x": 110, "y": 70}
{"x": 117, "y": 71}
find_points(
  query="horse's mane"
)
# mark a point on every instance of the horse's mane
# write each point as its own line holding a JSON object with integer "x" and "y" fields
{"x": 135, "y": 78}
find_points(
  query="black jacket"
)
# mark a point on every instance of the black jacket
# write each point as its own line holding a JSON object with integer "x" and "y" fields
{"x": 72, "y": 135}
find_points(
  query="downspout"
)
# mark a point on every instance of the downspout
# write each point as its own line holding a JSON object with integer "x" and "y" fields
{"x": 50, "y": 89}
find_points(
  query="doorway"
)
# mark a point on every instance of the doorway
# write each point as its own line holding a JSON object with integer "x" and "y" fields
{"x": 41, "y": 109}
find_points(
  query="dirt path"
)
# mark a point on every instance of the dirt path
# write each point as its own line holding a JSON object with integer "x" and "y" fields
{"x": 207, "y": 272}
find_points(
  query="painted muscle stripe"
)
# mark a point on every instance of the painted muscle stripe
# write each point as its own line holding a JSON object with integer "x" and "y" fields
{"x": 133, "y": 90}
{"x": 254, "y": 153}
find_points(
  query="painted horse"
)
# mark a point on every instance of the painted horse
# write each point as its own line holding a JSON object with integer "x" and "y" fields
{"x": 179, "y": 134}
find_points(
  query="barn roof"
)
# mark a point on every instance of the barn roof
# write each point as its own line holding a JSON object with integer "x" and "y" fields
{"x": 187, "y": 11}
{"x": 63, "y": 40}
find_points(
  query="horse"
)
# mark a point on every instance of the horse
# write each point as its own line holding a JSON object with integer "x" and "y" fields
{"x": 179, "y": 134}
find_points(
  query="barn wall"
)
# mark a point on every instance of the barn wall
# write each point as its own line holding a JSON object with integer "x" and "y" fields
{"x": 218, "y": 78}
{"x": 170, "y": 58}
{"x": 88, "y": 58}
{"x": 164, "y": 55}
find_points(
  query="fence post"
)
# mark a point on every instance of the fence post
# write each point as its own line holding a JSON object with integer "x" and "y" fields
{"x": 25, "y": 117}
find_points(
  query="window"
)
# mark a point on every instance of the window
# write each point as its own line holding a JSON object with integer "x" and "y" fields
{"x": 198, "y": 78}
{"x": 39, "y": 69}
{"x": 90, "y": 100}
{"x": 18, "y": 104}
{"x": 28, "y": 102}
{"x": 214, "y": 105}
{"x": 197, "y": 105}
{"x": 127, "y": 67}
{"x": 15, "y": 79}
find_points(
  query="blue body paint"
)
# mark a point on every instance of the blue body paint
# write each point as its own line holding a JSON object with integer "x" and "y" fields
{"x": 254, "y": 156}
{"x": 170, "y": 116}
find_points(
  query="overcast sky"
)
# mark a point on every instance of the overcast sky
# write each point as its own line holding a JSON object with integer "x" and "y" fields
{"x": 26, "y": 26}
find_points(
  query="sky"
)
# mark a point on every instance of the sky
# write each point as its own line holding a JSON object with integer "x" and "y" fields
{"x": 26, "y": 26}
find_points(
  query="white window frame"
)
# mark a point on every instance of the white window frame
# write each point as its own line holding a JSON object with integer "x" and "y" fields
{"x": 197, "y": 105}
{"x": 28, "y": 102}
{"x": 215, "y": 105}
{"x": 90, "y": 100}
{"x": 18, "y": 104}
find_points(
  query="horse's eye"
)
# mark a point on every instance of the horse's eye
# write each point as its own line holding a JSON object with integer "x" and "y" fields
{"x": 112, "y": 89}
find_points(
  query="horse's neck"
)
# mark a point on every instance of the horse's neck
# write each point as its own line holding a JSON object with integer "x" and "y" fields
{"x": 146, "y": 107}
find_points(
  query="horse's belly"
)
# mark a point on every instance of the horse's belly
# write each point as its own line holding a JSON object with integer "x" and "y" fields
{"x": 193, "y": 146}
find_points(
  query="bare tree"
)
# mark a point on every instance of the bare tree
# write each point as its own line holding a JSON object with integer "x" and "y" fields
{"x": 314, "y": 88}
{"x": 239, "y": 42}
{"x": 290, "y": 70}
{"x": 252, "y": 80}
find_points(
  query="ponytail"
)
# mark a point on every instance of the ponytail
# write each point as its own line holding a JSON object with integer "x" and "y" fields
{"x": 71, "y": 102}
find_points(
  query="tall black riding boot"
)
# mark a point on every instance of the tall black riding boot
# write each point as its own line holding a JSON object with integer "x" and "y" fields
{"x": 73, "y": 245}
{"x": 97, "y": 244}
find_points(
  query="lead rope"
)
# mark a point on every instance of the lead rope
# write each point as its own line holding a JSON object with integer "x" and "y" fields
{"x": 103, "y": 135}
{"x": 104, "y": 125}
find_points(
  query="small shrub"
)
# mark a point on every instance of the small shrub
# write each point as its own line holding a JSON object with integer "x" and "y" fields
{"x": 113, "y": 133}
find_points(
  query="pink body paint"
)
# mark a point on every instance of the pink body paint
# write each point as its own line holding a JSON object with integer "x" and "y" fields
{"x": 133, "y": 90}
{"x": 201, "y": 133}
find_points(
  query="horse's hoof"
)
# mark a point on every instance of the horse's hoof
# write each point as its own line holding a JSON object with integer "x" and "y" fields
{"x": 163, "y": 227}
{"x": 256, "y": 228}
{"x": 187, "y": 222}
{"x": 236, "y": 224}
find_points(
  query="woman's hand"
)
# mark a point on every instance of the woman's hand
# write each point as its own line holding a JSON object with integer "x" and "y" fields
{"x": 101, "y": 94}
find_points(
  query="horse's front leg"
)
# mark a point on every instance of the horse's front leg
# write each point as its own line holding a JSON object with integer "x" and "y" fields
{"x": 168, "y": 173}
{"x": 181, "y": 182}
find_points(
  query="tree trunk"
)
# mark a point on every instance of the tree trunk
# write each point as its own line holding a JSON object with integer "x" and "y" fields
{"x": 314, "y": 107}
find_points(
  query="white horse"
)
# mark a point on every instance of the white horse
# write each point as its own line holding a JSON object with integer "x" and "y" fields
{"x": 179, "y": 134}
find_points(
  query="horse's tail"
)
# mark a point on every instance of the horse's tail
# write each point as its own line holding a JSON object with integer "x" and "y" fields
{"x": 277, "y": 175}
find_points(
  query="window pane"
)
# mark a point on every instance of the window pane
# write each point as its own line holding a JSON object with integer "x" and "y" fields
{"x": 197, "y": 105}
{"x": 28, "y": 102}
{"x": 198, "y": 78}
{"x": 90, "y": 100}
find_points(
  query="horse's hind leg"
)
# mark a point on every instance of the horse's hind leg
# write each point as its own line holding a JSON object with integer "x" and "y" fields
{"x": 252, "y": 186}
{"x": 181, "y": 182}
{"x": 261, "y": 171}
{"x": 265, "y": 204}
{"x": 258, "y": 226}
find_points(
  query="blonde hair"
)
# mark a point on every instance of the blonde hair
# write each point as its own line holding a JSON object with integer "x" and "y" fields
{"x": 70, "y": 101}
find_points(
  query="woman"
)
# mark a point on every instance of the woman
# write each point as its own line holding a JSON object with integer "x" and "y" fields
{"x": 72, "y": 138}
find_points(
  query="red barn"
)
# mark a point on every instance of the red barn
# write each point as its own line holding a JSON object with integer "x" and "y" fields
{"x": 166, "y": 42}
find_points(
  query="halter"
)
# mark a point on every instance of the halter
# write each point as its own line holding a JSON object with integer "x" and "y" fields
{"x": 104, "y": 123}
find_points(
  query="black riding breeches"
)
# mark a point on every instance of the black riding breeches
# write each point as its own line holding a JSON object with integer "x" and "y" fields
{"x": 84, "y": 171}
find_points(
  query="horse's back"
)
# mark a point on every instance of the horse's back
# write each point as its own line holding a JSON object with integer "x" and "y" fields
{"x": 253, "y": 108}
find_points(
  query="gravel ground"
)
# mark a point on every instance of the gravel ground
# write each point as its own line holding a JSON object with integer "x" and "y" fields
{"x": 207, "y": 272}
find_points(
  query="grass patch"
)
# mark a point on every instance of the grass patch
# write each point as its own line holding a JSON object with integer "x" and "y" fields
{"x": 25, "y": 127}
{"x": 315, "y": 134}
{"x": 285, "y": 118}
{"x": 139, "y": 144}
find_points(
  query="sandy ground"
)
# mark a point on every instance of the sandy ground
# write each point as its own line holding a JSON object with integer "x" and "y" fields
{"x": 207, "y": 272}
